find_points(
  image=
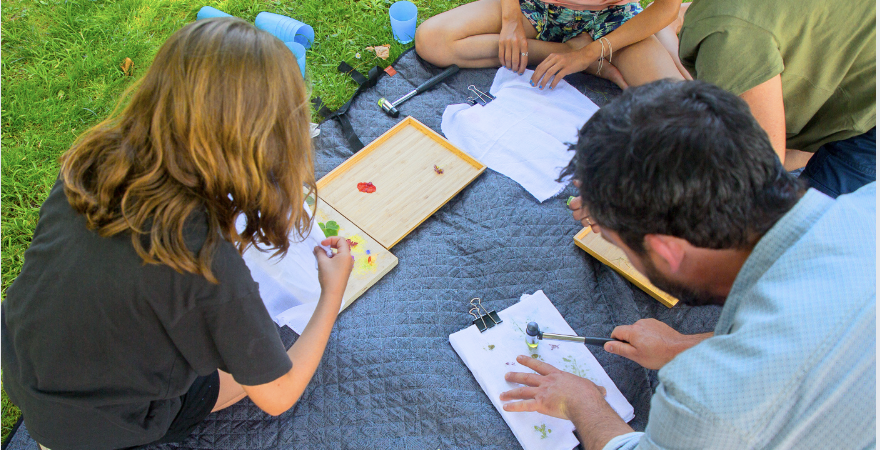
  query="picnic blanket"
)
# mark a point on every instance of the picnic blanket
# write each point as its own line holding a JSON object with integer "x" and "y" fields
{"x": 389, "y": 378}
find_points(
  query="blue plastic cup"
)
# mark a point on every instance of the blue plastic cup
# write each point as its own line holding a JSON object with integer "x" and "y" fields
{"x": 300, "y": 52}
{"x": 207, "y": 12}
{"x": 285, "y": 28}
{"x": 403, "y": 21}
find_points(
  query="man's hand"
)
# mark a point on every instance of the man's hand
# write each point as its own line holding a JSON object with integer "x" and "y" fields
{"x": 551, "y": 391}
{"x": 566, "y": 396}
{"x": 558, "y": 65}
{"x": 651, "y": 343}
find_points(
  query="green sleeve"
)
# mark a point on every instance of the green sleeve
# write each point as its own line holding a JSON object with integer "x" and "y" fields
{"x": 730, "y": 53}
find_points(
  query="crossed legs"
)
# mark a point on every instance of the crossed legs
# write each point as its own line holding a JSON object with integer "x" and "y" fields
{"x": 469, "y": 36}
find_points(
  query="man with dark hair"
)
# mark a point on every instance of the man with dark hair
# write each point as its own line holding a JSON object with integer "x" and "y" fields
{"x": 682, "y": 178}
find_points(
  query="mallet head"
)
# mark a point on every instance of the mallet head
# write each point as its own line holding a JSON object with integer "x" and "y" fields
{"x": 533, "y": 334}
{"x": 388, "y": 107}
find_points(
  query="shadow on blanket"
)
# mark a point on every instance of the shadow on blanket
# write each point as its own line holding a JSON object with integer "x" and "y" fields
{"x": 389, "y": 378}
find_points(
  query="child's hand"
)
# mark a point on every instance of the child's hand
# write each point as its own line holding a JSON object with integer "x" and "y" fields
{"x": 333, "y": 272}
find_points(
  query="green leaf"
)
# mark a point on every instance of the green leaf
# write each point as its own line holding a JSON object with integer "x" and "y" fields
{"x": 331, "y": 228}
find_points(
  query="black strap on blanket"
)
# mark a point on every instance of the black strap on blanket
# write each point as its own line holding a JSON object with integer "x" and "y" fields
{"x": 12, "y": 432}
{"x": 364, "y": 83}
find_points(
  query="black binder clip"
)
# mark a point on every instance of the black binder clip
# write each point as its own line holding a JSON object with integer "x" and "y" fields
{"x": 483, "y": 97}
{"x": 483, "y": 321}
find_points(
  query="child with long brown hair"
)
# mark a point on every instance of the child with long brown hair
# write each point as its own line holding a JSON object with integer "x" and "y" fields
{"x": 134, "y": 315}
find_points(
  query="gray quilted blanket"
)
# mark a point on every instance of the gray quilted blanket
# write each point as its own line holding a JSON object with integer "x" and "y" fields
{"x": 389, "y": 378}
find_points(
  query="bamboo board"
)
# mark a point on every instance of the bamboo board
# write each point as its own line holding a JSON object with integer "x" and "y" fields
{"x": 371, "y": 260}
{"x": 400, "y": 163}
{"x": 610, "y": 255}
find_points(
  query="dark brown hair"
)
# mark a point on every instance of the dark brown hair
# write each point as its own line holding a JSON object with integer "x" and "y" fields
{"x": 218, "y": 125}
{"x": 683, "y": 159}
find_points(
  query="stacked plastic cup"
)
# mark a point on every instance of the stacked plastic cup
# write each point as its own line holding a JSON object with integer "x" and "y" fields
{"x": 403, "y": 17}
{"x": 300, "y": 52}
{"x": 207, "y": 12}
{"x": 285, "y": 28}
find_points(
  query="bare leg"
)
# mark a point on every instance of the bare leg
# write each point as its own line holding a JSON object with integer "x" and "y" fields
{"x": 468, "y": 36}
{"x": 644, "y": 62}
{"x": 669, "y": 38}
{"x": 230, "y": 392}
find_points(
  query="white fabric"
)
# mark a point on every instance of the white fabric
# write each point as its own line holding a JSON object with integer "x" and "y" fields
{"x": 491, "y": 354}
{"x": 524, "y": 133}
{"x": 289, "y": 286}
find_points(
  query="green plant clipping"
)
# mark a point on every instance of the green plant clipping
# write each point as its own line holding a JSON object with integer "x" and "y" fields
{"x": 543, "y": 430}
{"x": 330, "y": 228}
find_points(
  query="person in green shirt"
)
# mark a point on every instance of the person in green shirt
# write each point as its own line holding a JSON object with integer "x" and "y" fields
{"x": 807, "y": 70}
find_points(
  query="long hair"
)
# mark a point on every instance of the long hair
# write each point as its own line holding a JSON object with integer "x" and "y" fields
{"x": 217, "y": 128}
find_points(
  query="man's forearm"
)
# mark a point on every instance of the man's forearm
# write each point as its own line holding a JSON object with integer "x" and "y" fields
{"x": 596, "y": 429}
{"x": 690, "y": 340}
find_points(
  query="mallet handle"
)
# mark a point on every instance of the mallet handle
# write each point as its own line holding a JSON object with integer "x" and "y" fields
{"x": 427, "y": 85}
{"x": 451, "y": 70}
{"x": 581, "y": 339}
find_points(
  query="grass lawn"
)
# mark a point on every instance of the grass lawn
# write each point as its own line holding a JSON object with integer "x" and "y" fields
{"x": 60, "y": 76}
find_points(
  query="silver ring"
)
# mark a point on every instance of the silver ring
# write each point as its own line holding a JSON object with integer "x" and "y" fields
{"x": 524, "y": 54}
{"x": 589, "y": 221}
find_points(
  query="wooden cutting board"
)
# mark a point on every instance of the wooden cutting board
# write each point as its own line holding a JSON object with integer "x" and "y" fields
{"x": 371, "y": 260}
{"x": 401, "y": 165}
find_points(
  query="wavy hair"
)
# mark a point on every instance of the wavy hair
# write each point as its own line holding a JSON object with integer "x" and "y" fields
{"x": 684, "y": 159}
{"x": 218, "y": 126}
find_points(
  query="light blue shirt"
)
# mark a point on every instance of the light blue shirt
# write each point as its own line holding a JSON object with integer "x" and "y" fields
{"x": 793, "y": 361}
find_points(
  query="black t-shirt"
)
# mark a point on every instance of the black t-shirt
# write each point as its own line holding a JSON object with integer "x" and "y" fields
{"x": 98, "y": 347}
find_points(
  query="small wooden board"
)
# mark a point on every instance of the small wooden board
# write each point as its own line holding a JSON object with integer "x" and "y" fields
{"x": 610, "y": 255}
{"x": 400, "y": 163}
{"x": 371, "y": 260}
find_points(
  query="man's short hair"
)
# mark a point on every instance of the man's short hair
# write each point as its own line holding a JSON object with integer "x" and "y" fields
{"x": 684, "y": 159}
